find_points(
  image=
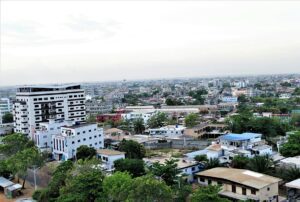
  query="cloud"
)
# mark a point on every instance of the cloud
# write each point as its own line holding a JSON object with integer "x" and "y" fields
{"x": 82, "y": 23}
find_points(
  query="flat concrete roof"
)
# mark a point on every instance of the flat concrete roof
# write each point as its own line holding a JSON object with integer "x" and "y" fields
{"x": 109, "y": 152}
{"x": 240, "y": 176}
{"x": 293, "y": 184}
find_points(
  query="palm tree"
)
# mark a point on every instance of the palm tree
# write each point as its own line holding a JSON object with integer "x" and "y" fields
{"x": 288, "y": 174}
{"x": 139, "y": 126}
{"x": 212, "y": 163}
{"x": 261, "y": 164}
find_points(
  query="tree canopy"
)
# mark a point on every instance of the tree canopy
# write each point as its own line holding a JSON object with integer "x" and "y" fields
{"x": 166, "y": 171}
{"x": 133, "y": 149}
{"x": 291, "y": 148}
{"x": 157, "y": 120}
{"x": 191, "y": 120}
{"x": 85, "y": 152}
{"x": 133, "y": 166}
{"x": 7, "y": 118}
{"x": 208, "y": 194}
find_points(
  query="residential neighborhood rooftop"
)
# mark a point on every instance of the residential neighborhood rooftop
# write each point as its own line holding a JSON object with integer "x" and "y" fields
{"x": 294, "y": 184}
{"x": 241, "y": 176}
{"x": 109, "y": 152}
{"x": 240, "y": 137}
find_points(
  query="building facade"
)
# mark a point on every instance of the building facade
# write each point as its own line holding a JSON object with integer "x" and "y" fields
{"x": 240, "y": 184}
{"x": 70, "y": 138}
{"x": 37, "y": 104}
{"x": 4, "y": 107}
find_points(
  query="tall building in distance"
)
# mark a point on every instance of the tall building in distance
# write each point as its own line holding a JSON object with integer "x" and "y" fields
{"x": 4, "y": 107}
{"x": 36, "y": 104}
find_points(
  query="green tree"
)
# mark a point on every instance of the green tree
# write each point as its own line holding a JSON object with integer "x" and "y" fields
{"x": 198, "y": 95}
{"x": 166, "y": 171}
{"x": 85, "y": 186}
{"x": 51, "y": 193}
{"x": 291, "y": 148}
{"x": 133, "y": 166}
{"x": 85, "y": 152}
{"x": 133, "y": 149}
{"x": 191, "y": 120}
{"x": 158, "y": 120}
{"x": 148, "y": 189}
{"x": 139, "y": 126}
{"x": 261, "y": 164}
{"x": 208, "y": 194}
{"x": 288, "y": 174}
{"x": 21, "y": 161}
{"x": 201, "y": 158}
{"x": 240, "y": 162}
{"x": 117, "y": 187}
{"x": 4, "y": 170}
{"x": 7, "y": 118}
{"x": 11, "y": 144}
{"x": 212, "y": 163}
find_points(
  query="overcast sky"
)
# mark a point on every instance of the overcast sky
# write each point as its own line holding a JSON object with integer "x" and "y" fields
{"x": 72, "y": 41}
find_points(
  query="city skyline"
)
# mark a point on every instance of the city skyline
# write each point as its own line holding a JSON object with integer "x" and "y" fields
{"x": 111, "y": 41}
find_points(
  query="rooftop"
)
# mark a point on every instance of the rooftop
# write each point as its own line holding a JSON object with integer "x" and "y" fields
{"x": 79, "y": 125}
{"x": 294, "y": 184}
{"x": 241, "y": 176}
{"x": 240, "y": 137}
{"x": 214, "y": 147}
{"x": 109, "y": 152}
{"x": 291, "y": 160}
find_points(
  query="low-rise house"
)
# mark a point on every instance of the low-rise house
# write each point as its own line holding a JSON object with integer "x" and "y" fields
{"x": 167, "y": 131}
{"x": 71, "y": 137}
{"x": 293, "y": 191}
{"x": 290, "y": 162}
{"x": 240, "y": 184}
{"x": 108, "y": 157}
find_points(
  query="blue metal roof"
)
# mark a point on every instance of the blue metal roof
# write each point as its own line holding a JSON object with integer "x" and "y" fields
{"x": 240, "y": 137}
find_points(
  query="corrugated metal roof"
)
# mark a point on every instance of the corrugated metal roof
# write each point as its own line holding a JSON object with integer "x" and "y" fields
{"x": 5, "y": 182}
{"x": 240, "y": 137}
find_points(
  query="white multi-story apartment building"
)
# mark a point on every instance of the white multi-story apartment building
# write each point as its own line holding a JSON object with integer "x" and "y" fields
{"x": 36, "y": 104}
{"x": 145, "y": 115}
{"x": 4, "y": 107}
{"x": 71, "y": 137}
{"x": 43, "y": 136}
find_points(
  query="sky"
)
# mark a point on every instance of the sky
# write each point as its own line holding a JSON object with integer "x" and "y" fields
{"x": 86, "y": 41}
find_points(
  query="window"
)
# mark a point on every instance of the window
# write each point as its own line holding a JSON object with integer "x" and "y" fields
{"x": 35, "y": 99}
{"x": 84, "y": 139}
{"x": 233, "y": 188}
{"x": 70, "y": 96}
{"x": 253, "y": 191}
{"x": 90, "y": 137}
{"x": 83, "y": 131}
{"x": 202, "y": 179}
{"x": 95, "y": 136}
{"x": 78, "y": 133}
{"x": 40, "y": 99}
{"x": 244, "y": 191}
{"x": 73, "y": 142}
{"x": 51, "y": 98}
{"x": 90, "y": 130}
{"x": 193, "y": 168}
{"x": 268, "y": 188}
{"x": 36, "y": 105}
{"x": 78, "y": 140}
{"x": 209, "y": 181}
{"x": 220, "y": 183}
{"x": 96, "y": 143}
{"x": 45, "y": 98}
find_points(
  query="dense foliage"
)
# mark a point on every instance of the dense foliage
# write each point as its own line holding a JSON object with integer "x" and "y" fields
{"x": 85, "y": 152}
{"x": 191, "y": 120}
{"x": 292, "y": 147}
{"x": 157, "y": 120}
{"x": 133, "y": 166}
{"x": 133, "y": 149}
